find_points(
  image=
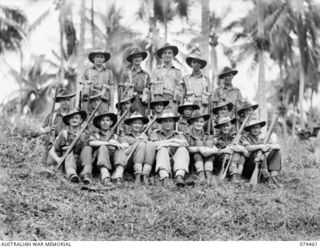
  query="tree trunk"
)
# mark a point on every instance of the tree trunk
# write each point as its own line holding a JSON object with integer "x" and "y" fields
{"x": 301, "y": 94}
{"x": 285, "y": 102}
{"x": 61, "y": 75}
{"x": 205, "y": 31}
{"x": 92, "y": 26}
{"x": 262, "y": 100}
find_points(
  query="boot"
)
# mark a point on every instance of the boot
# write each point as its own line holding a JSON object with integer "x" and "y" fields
{"x": 118, "y": 181}
{"x": 179, "y": 181}
{"x": 201, "y": 178}
{"x": 210, "y": 178}
{"x": 137, "y": 179}
{"x": 234, "y": 178}
{"x": 145, "y": 179}
{"x": 74, "y": 179}
{"x": 270, "y": 183}
{"x": 106, "y": 182}
{"x": 276, "y": 182}
{"x": 166, "y": 182}
{"x": 86, "y": 179}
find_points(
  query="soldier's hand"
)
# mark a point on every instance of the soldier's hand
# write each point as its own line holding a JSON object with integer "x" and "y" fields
{"x": 266, "y": 148}
{"x": 47, "y": 129}
{"x": 64, "y": 148}
{"x": 206, "y": 151}
{"x": 227, "y": 150}
{"x": 275, "y": 146}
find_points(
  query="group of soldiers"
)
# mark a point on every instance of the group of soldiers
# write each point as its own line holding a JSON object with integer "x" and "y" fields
{"x": 166, "y": 125}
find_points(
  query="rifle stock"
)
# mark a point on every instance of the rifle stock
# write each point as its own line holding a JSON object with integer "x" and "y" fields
{"x": 77, "y": 137}
{"x": 224, "y": 169}
{"x": 256, "y": 173}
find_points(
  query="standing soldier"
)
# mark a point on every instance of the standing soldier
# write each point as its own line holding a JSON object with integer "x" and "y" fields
{"x": 253, "y": 144}
{"x": 185, "y": 112}
{"x": 99, "y": 78}
{"x": 196, "y": 85}
{"x": 80, "y": 157}
{"x": 143, "y": 151}
{"x": 157, "y": 105}
{"x": 136, "y": 82}
{"x": 110, "y": 155}
{"x": 166, "y": 80}
{"x": 171, "y": 146}
{"x": 64, "y": 98}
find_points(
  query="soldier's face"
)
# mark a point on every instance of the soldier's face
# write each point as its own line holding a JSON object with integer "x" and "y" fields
{"x": 65, "y": 103}
{"x": 198, "y": 123}
{"x": 227, "y": 79}
{"x": 105, "y": 123}
{"x": 225, "y": 128}
{"x": 195, "y": 64}
{"x": 136, "y": 125}
{"x": 187, "y": 112}
{"x": 126, "y": 105}
{"x": 223, "y": 111}
{"x": 94, "y": 103}
{"x": 167, "y": 55}
{"x": 158, "y": 107}
{"x": 75, "y": 120}
{"x": 248, "y": 111}
{"x": 167, "y": 124}
{"x": 255, "y": 130}
{"x": 98, "y": 59}
{"x": 137, "y": 59}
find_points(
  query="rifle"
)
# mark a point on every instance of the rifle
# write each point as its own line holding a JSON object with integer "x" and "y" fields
{"x": 224, "y": 169}
{"x": 209, "y": 112}
{"x": 88, "y": 99}
{"x": 256, "y": 173}
{"x": 51, "y": 124}
{"x": 77, "y": 137}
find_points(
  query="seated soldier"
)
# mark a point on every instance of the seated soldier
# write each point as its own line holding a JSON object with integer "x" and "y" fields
{"x": 201, "y": 147}
{"x": 80, "y": 157}
{"x": 224, "y": 141}
{"x": 185, "y": 112}
{"x": 93, "y": 103}
{"x": 246, "y": 109}
{"x": 157, "y": 105}
{"x": 110, "y": 155}
{"x": 221, "y": 109}
{"x": 125, "y": 104}
{"x": 171, "y": 146}
{"x": 271, "y": 152}
{"x": 142, "y": 152}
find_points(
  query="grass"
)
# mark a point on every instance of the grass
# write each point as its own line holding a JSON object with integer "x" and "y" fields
{"x": 35, "y": 205}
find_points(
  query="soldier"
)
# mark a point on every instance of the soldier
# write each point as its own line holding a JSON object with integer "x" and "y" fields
{"x": 110, "y": 153}
{"x": 64, "y": 98}
{"x": 185, "y": 112}
{"x": 94, "y": 101}
{"x": 99, "y": 78}
{"x": 223, "y": 141}
{"x": 196, "y": 85}
{"x": 125, "y": 104}
{"x": 141, "y": 150}
{"x": 166, "y": 80}
{"x": 136, "y": 82}
{"x": 227, "y": 91}
{"x": 221, "y": 109}
{"x": 80, "y": 157}
{"x": 171, "y": 145}
{"x": 246, "y": 109}
{"x": 271, "y": 152}
{"x": 157, "y": 105}
{"x": 201, "y": 147}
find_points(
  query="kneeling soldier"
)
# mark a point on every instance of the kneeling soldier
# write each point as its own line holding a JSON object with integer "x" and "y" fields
{"x": 271, "y": 152}
{"x": 141, "y": 151}
{"x": 108, "y": 149}
{"x": 185, "y": 111}
{"x": 223, "y": 141}
{"x": 201, "y": 147}
{"x": 171, "y": 145}
{"x": 80, "y": 157}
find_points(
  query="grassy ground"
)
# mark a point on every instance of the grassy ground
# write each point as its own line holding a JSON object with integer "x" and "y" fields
{"x": 35, "y": 205}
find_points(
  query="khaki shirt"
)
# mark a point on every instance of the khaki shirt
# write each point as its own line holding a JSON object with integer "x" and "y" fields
{"x": 203, "y": 140}
{"x": 196, "y": 88}
{"x": 128, "y": 138}
{"x": 247, "y": 139}
{"x": 232, "y": 95}
{"x": 57, "y": 116}
{"x": 135, "y": 81}
{"x": 222, "y": 140}
{"x": 166, "y": 81}
{"x": 183, "y": 125}
{"x": 102, "y": 137}
{"x": 66, "y": 137}
{"x": 158, "y": 135}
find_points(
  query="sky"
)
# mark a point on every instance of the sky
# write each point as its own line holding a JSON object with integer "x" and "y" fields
{"x": 45, "y": 38}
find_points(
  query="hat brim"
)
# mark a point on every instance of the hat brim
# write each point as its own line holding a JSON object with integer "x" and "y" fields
{"x": 59, "y": 98}
{"x": 233, "y": 120}
{"x": 254, "y": 106}
{"x": 229, "y": 105}
{"x": 106, "y": 56}
{"x": 96, "y": 119}
{"x": 128, "y": 121}
{"x": 160, "y": 119}
{"x": 66, "y": 118}
{"x": 234, "y": 72}
{"x": 205, "y": 117}
{"x": 122, "y": 102}
{"x": 174, "y": 49}
{"x": 182, "y": 107}
{"x": 143, "y": 54}
{"x": 165, "y": 103}
{"x": 261, "y": 123}
{"x": 203, "y": 63}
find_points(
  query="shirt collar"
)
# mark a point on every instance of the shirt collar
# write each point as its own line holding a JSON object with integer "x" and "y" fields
{"x": 133, "y": 69}
{"x": 163, "y": 66}
{"x": 172, "y": 134}
{"x": 95, "y": 68}
{"x": 192, "y": 75}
